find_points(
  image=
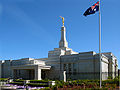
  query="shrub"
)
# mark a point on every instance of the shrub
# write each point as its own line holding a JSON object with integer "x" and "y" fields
{"x": 66, "y": 83}
{"x": 54, "y": 87}
{"x": 111, "y": 81}
{"x": 116, "y": 81}
{"x": 16, "y": 83}
{"x": 113, "y": 86}
{"x": 38, "y": 81}
{"x": 110, "y": 77}
{"x": 46, "y": 88}
{"x": 3, "y": 79}
{"x": 18, "y": 80}
{"x": 59, "y": 83}
{"x": 37, "y": 85}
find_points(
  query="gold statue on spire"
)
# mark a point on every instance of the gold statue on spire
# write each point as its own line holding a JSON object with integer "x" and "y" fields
{"x": 62, "y": 20}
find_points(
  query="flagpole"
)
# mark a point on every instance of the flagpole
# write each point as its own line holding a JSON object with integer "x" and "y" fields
{"x": 100, "y": 45}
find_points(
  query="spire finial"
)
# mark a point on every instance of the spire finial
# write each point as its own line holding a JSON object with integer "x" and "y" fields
{"x": 62, "y": 20}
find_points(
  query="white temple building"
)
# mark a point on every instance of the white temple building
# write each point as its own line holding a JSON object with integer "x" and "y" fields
{"x": 83, "y": 65}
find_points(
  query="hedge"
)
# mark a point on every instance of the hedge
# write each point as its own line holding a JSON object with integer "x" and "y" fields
{"x": 37, "y": 85}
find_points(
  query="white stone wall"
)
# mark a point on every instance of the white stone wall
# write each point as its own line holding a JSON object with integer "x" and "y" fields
{"x": 113, "y": 70}
{"x": 104, "y": 71}
{"x": 87, "y": 65}
{"x": 83, "y": 65}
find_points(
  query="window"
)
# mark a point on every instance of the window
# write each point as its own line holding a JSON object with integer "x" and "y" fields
{"x": 64, "y": 67}
{"x": 74, "y": 68}
{"x": 69, "y": 67}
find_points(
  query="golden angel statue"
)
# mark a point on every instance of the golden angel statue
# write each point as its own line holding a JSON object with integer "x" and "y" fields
{"x": 62, "y": 20}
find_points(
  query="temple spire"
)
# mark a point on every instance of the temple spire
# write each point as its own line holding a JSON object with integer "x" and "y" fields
{"x": 63, "y": 42}
{"x": 62, "y": 20}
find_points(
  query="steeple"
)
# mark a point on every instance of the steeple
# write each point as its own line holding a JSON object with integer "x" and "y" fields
{"x": 63, "y": 46}
{"x": 63, "y": 42}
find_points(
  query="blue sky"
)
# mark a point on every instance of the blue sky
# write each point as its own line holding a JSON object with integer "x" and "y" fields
{"x": 31, "y": 28}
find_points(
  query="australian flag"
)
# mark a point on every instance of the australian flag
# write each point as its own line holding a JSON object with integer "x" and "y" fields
{"x": 92, "y": 9}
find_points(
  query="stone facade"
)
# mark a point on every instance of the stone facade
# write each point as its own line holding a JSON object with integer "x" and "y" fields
{"x": 83, "y": 65}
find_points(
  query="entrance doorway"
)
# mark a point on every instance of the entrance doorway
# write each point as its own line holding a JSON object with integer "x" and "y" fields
{"x": 27, "y": 74}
